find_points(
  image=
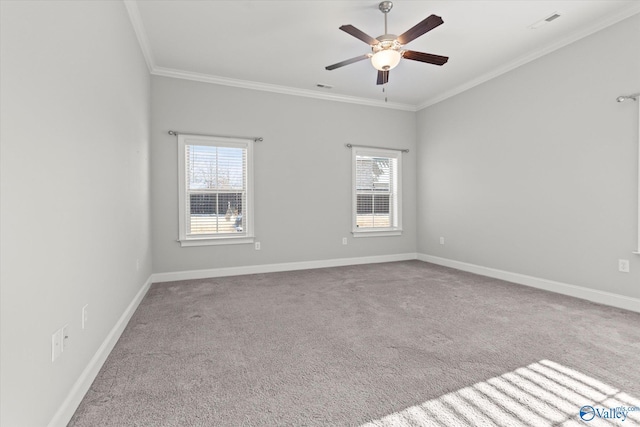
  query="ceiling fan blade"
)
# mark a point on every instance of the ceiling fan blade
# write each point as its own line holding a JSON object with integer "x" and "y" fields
{"x": 350, "y": 29}
{"x": 383, "y": 77}
{"x": 419, "y": 29}
{"x": 347, "y": 62}
{"x": 425, "y": 57}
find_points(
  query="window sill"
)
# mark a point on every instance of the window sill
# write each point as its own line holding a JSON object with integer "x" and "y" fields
{"x": 216, "y": 241}
{"x": 376, "y": 233}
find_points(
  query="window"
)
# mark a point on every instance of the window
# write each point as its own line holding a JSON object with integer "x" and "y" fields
{"x": 377, "y": 195}
{"x": 215, "y": 190}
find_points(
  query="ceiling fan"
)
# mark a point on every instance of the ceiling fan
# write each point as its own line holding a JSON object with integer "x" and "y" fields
{"x": 388, "y": 49}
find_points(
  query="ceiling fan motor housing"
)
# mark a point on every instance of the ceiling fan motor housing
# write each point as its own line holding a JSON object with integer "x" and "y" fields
{"x": 386, "y": 41}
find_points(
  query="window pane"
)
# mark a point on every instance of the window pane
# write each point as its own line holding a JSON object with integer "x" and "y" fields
{"x": 216, "y": 189}
{"x": 381, "y": 203}
{"x": 204, "y": 204}
{"x": 231, "y": 168}
{"x": 375, "y": 188}
{"x": 373, "y": 173}
{"x": 373, "y": 210}
{"x": 201, "y": 167}
{"x": 365, "y": 203}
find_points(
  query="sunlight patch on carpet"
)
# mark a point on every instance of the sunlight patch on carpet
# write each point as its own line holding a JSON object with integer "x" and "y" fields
{"x": 542, "y": 394}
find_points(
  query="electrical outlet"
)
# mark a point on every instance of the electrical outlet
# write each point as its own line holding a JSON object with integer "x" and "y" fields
{"x": 442, "y": 240}
{"x": 257, "y": 246}
{"x": 85, "y": 316}
{"x": 56, "y": 345}
{"x": 344, "y": 240}
{"x": 623, "y": 265}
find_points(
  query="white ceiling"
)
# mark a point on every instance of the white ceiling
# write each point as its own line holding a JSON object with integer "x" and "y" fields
{"x": 284, "y": 46}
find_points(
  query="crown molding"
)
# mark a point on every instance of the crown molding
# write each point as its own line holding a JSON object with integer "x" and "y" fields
{"x": 141, "y": 33}
{"x": 143, "y": 41}
{"x": 600, "y": 25}
{"x": 138, "y": 26}
{"x": 266, "y": 87}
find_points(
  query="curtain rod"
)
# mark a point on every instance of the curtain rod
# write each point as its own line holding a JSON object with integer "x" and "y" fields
{"x": 404, "y": 150}
{"x": 176, "y": 133}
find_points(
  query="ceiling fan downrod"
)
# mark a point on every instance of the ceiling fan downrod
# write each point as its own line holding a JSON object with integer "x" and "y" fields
{"x": 385, "y": 7}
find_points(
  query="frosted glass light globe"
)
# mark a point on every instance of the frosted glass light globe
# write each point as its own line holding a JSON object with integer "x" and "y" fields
{"x": 385, "y": 59}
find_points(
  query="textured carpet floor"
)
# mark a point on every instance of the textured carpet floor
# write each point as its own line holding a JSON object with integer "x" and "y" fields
{"x": 364, "y": 344}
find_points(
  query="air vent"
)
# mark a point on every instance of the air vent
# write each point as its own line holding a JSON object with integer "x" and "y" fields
{"x": 545, "y": 21}
{"x": 552, "y": 17}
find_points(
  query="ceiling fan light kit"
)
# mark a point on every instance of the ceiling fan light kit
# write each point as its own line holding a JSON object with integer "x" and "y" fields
{"x": 388, "y": 49}
{"x": 385, "y": 60}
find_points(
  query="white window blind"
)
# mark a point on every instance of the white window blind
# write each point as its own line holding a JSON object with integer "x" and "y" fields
{"x": 376, "y": 192}
{"x": 215, "y": 190}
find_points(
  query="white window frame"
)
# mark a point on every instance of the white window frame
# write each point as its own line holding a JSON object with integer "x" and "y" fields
{"x": 189, "y": 240}
{"x": 396, "y": 228}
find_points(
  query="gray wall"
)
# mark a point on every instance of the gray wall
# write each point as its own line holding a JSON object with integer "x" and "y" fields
{"x": 302, "y": 172}
{"x": 75, "y": 191}
{"x": 535, "y": 172}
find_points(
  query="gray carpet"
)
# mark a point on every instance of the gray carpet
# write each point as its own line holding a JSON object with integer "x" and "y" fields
{"x": 405, "y": 343}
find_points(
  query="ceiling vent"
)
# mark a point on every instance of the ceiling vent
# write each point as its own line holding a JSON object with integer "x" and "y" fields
{"x": 545, "y": 21}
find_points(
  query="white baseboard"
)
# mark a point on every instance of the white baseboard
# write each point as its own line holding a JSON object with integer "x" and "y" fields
{"x": 272, "y": 268}
{"x": 81, "y": 386}
{"x": 602, "y": 297}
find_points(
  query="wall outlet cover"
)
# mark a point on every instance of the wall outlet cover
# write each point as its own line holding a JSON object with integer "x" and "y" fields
{"x": 85, "y": 316}
{"x": 623, "y": 265}
{"x": 56, "y": 345}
